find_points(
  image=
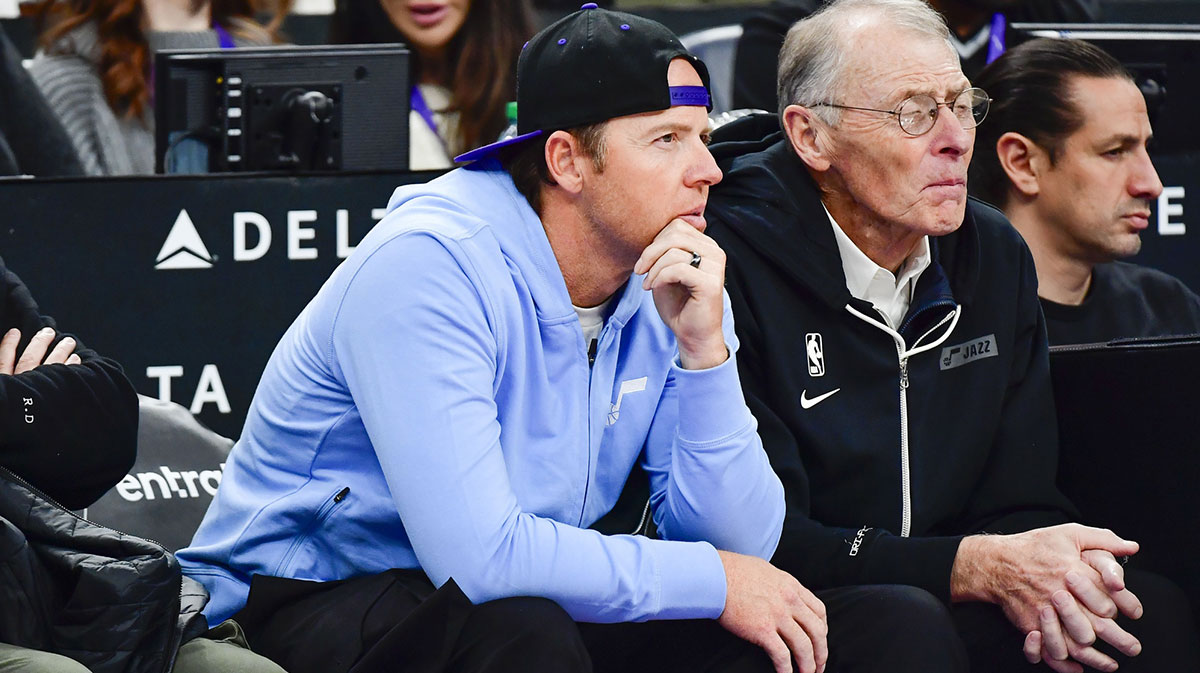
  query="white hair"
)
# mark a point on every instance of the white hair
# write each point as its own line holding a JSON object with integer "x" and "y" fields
{"x": 816, "y": 50}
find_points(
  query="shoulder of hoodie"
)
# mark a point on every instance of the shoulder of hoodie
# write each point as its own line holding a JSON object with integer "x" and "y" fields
{"x": 461, "y": 207}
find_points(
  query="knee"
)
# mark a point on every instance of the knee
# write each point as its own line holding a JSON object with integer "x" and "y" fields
{"x": 21, "y": 660}
{"x": 894, "y": 628}
{"x": 538, "y": 628}
{"x": 899, "y": 605}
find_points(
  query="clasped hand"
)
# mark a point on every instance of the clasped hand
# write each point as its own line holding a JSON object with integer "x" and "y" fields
{"x": 1063, "y": 587}
{"x": 35, "y": 353}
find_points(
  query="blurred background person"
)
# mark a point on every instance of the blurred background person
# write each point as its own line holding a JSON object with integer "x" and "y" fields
{"x": 464, "y": 65}
{"x": 974, "y": 28}
{"x": 32, "y": 141}
{"x": 1064, "y": 154}
{"x": 95, "y": 60}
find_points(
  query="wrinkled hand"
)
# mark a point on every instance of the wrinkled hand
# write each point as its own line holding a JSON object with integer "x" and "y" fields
{"x": 769, "y": 608}
{"x": 1052, "y": 645}
{"x": 688, "y": 299}
{"x": 35, "y": 353}
{"x": 1062, "y": 586}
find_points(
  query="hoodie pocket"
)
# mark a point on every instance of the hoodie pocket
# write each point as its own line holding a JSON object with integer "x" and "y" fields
{"x": 324, "y": 512}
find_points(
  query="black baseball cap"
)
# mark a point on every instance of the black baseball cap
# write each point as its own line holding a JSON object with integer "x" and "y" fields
{"x": 594, "y": 65}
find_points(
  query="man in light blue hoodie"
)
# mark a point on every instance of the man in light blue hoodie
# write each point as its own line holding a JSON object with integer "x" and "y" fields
{"x": 500, "y": 359}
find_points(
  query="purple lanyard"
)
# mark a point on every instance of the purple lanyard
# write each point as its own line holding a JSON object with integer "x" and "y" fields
{"x": 417, "y": 101}
{"x": 223, "y": 37}
{"x": 224, "y": 40}
{"x": 996, "y": 38}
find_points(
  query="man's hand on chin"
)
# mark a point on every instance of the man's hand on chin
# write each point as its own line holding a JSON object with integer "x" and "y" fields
{"x": 685, "y": 270}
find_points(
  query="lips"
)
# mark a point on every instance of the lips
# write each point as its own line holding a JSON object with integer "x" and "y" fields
{"x": 695, "y": 218}
{"x": 1138, "y": 220}
{"x": 949, "y": 182}
{"x": 428, "y": 14}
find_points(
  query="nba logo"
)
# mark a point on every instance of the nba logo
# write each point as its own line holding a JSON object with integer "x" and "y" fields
{"x": 816, "y": 354}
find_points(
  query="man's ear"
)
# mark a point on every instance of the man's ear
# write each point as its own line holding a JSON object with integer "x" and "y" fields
{"x": 1023, "y": 161}
{"x": 807, "y": 137}
{"x": 563, "y": 161}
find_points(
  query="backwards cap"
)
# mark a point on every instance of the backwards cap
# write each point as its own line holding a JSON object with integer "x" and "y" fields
{"x": 594, "y": 65}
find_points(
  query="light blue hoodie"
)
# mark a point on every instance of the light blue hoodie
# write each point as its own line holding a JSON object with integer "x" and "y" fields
{"x": 433, "y": 407}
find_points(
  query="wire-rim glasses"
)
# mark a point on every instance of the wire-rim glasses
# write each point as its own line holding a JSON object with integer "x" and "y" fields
{"x": 917, "y": 114}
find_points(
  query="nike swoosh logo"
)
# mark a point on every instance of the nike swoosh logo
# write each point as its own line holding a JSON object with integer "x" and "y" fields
{"x": 809, "y": 404}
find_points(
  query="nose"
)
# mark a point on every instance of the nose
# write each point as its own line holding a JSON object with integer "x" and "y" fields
{"x": 1143, "y": 179}
{"x": 949, "y": 137}
{"x": 703, "y": 167}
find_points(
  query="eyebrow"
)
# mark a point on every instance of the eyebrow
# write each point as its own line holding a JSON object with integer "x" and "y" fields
{"x": 663, "y": 127}
{"x": 1125, "y": 140}
{"x": 946, "y": 94}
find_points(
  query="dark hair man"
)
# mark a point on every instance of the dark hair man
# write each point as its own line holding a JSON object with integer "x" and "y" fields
{"x": 895, "y": 357}
{"x": 978, "y": 31}
{"x": 1064, "y": 155}
{"x": 474, "y": 387}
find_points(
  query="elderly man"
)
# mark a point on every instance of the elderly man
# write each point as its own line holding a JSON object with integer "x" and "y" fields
{"x": 1064, "y": 156}
{"x": 978, "y": 30}
{"x": 514, "y": 345}
{"x": 895, "y": 356}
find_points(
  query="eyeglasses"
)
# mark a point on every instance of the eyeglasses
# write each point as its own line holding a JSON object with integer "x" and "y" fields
{"x": 917, "y": 114}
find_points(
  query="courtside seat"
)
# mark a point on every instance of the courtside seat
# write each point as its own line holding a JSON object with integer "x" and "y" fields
{"x": 178, "y": 469}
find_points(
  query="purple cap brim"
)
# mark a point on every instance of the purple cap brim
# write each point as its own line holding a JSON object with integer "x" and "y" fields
{"x": 490, "y": 150}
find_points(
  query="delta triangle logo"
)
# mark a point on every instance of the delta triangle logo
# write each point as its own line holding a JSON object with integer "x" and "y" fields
{"x": 183, "y": 248}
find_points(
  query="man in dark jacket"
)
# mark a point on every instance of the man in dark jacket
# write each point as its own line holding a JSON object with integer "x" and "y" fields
{"x": 895, "y": 356}
{"x": 1064, "y": 154}
{"x": 68, "y": 427}
{"x": 68, "y": 422}
{"x": 973, "y": 23}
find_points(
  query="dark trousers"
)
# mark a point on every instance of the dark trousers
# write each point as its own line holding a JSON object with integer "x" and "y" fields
{"x": 396, "y": 622}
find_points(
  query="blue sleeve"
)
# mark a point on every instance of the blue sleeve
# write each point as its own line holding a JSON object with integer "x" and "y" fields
{"x": 416, "y": 341}
{"x": 709, "y": 475}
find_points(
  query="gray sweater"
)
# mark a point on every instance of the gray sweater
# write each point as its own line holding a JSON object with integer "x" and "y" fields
{"x": 108, "y": 143}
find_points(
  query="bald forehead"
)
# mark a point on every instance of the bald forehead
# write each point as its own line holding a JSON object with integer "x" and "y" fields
{"x": 897, "y": 64}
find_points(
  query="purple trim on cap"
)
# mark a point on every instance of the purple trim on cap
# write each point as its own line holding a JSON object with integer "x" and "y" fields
{"x": 624, "y": 26}
{"x": 589, "y": 5}
{"x": 562, "y": 40}
{"x": 689, "y": 95}
{"x": 489, "y": 150}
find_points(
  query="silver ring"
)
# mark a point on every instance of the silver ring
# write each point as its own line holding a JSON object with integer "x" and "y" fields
{"x": 695, "y": 260}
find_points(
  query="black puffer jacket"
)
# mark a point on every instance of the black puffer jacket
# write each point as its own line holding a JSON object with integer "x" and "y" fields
{"x": 113, "y": 602}
{"x": 890, "y": 446}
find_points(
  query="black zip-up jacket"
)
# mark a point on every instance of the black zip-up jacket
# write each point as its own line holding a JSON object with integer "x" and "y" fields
{"x": 70, "y": 430}
{"x": 891, "y": 447}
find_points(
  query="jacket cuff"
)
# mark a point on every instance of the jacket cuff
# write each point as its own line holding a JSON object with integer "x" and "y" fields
{"x": 691, "y": 580}
{"x": 711, "y": 405}
{"x": 924, "y": 562}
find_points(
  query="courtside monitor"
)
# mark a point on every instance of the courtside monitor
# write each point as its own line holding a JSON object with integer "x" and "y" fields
{"x": 294, "y": 109}
{"x": 1165, "y": 62}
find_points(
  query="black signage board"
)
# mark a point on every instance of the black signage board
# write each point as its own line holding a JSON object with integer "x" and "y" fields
{"x": 187, "y": 281}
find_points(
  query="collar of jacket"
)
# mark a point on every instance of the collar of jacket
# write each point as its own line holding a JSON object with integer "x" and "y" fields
{"x": 769, "y": 201}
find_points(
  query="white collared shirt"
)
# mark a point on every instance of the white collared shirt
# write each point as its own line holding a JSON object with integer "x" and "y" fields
{"x": 870, "y": 282}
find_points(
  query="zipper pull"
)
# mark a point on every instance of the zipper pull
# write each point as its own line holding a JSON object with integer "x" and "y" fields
{"x": 592, "y": 347}
{"x": 904, "y": 374}
{"x": 342, "y": 494}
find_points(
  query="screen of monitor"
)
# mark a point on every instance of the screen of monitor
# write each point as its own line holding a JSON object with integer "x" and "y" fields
{"x": 296, "y": 109}
{"x": 1165, "y": 62}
